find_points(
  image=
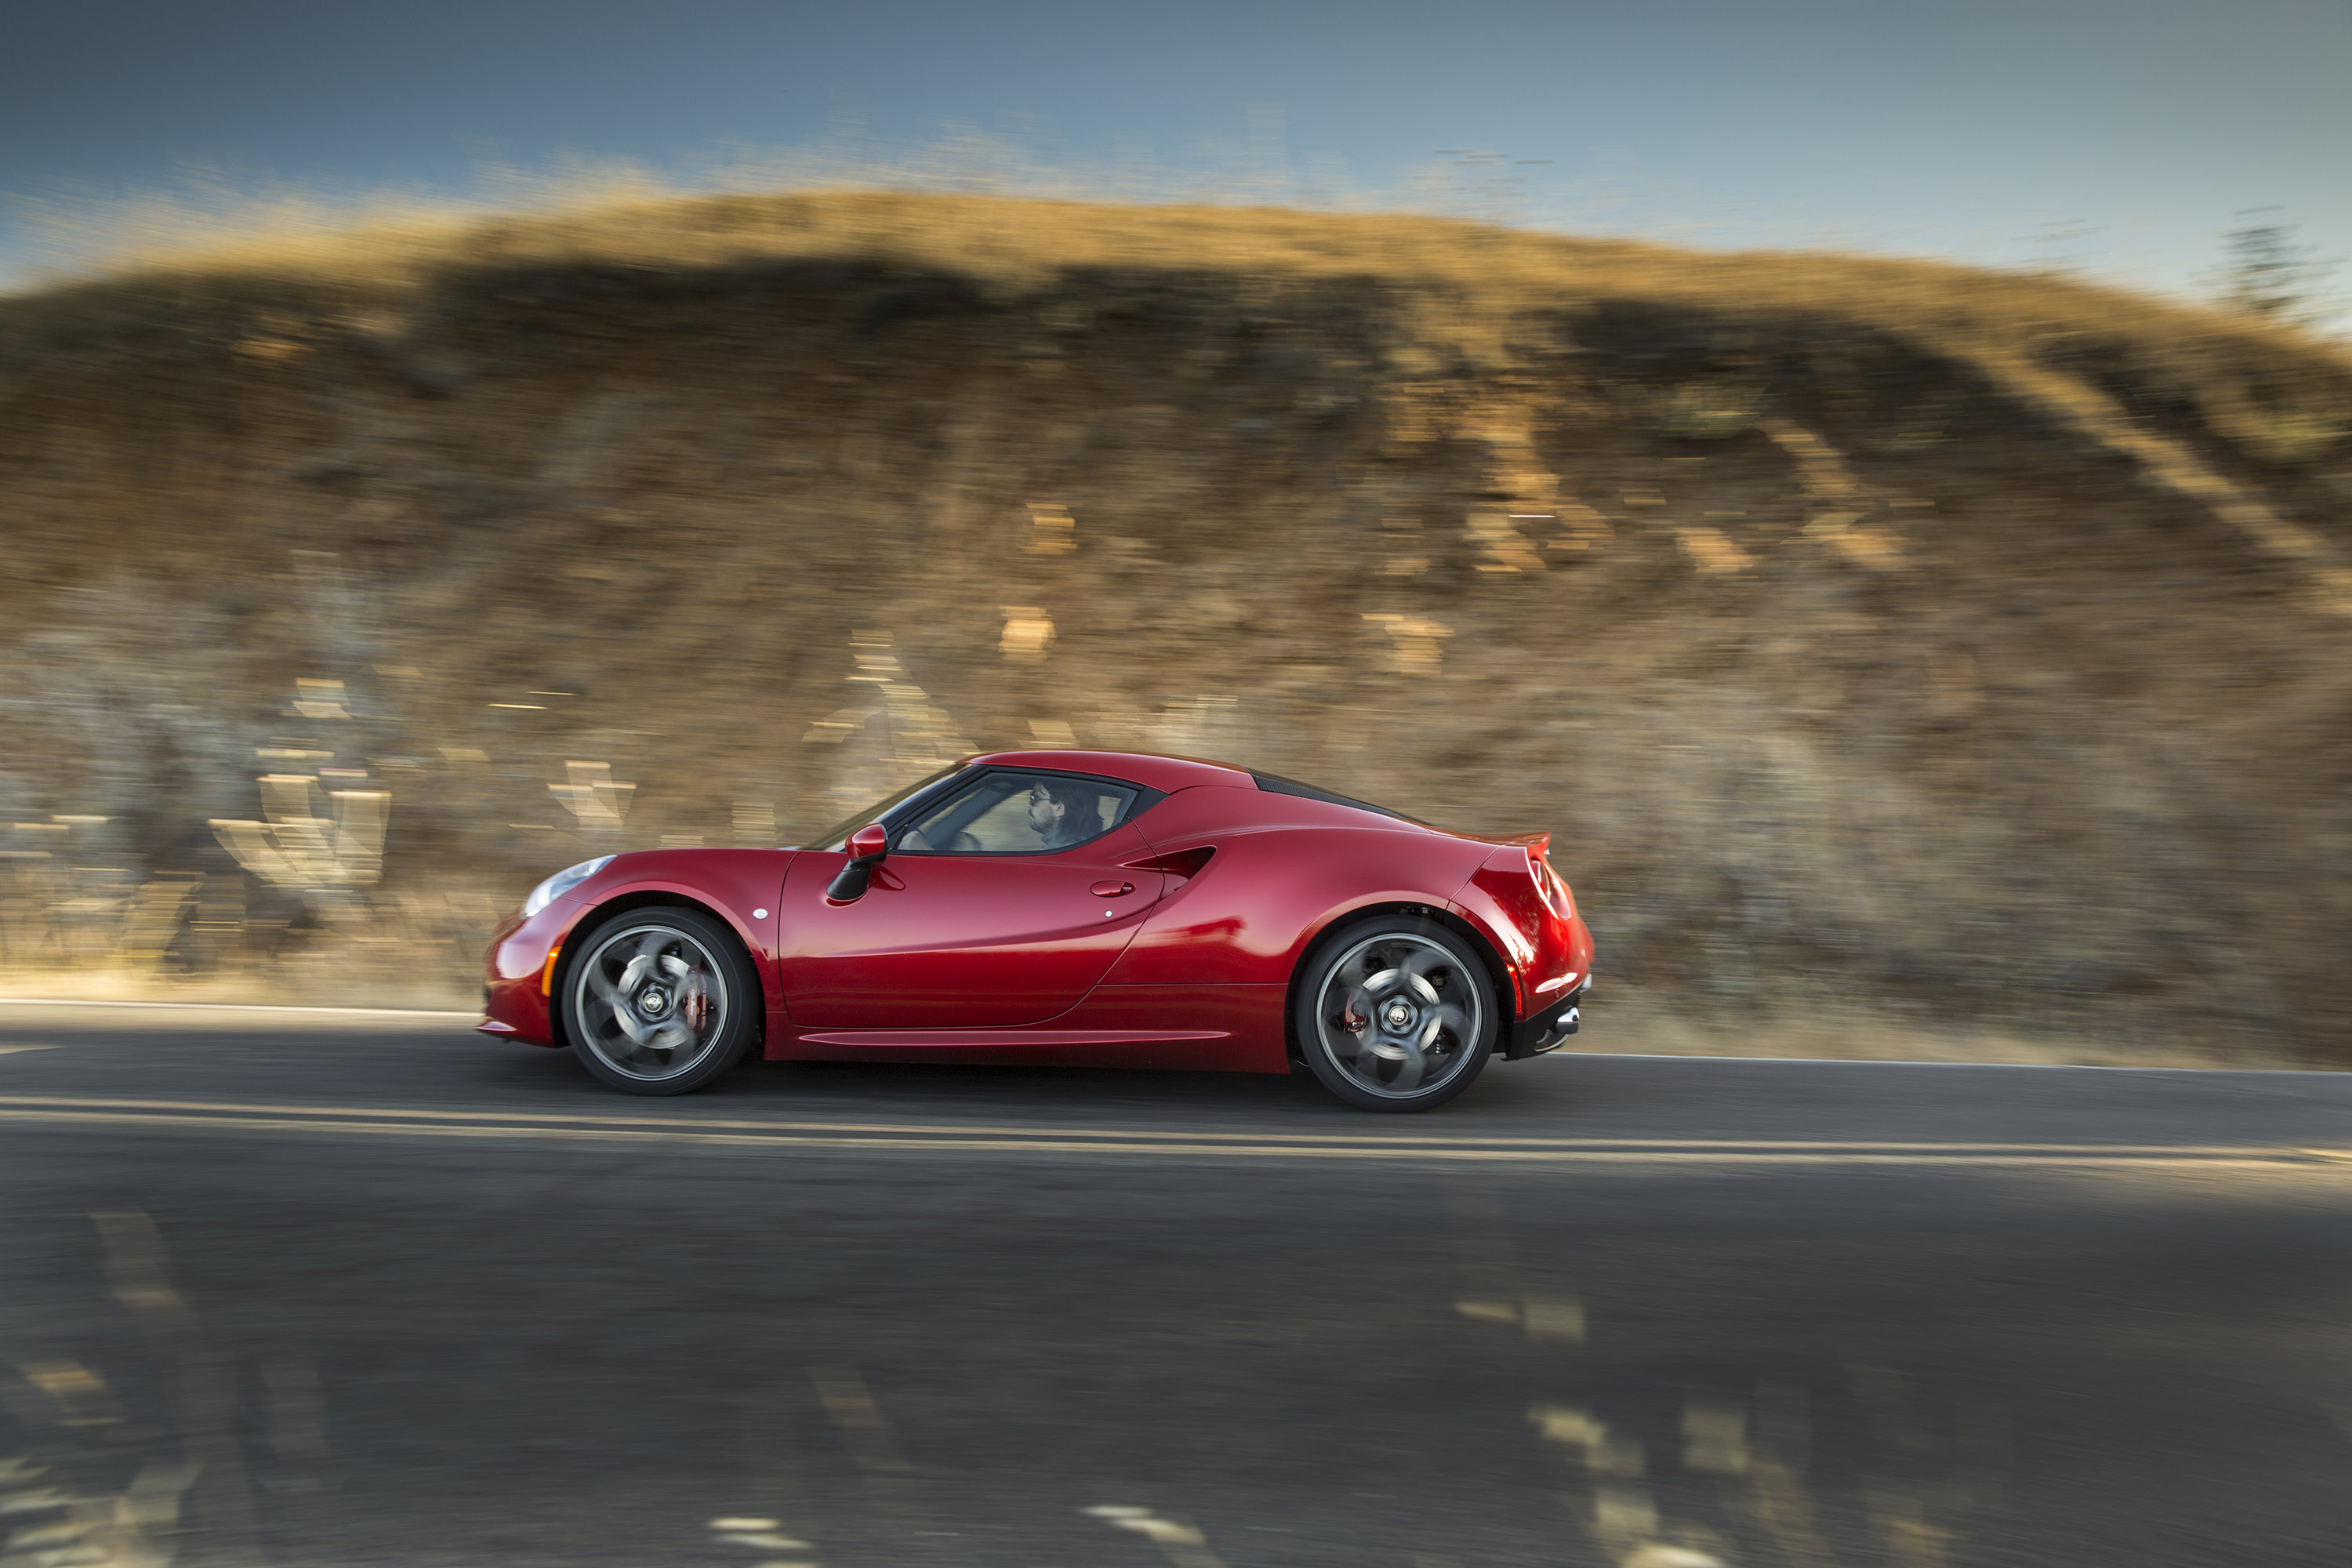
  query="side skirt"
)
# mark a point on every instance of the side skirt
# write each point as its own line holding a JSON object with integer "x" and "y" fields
{"x": 1206, "y": 1028}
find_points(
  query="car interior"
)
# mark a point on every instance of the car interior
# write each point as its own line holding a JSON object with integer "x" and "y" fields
{"x": 1000, "y": 812}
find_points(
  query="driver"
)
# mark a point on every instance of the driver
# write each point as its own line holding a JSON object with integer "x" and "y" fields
{"x": 1059, "y": 812}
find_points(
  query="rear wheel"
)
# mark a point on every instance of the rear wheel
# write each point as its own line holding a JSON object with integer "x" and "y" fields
{"x": 660, "y": 1001}
{"x": 1396, "y": 1013}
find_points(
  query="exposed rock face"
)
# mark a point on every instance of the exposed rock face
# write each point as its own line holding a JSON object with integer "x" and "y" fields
{"x": 1967, "y": 645}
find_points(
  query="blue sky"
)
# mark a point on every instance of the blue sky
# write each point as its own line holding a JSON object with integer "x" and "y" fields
{"x": 2119, "y": 137}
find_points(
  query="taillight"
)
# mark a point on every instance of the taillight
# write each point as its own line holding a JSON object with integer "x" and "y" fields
{"x": 1555, "y": 892}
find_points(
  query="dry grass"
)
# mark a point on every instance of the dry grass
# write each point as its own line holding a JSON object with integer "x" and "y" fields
{"x": 1477, "y": 277}
{"x": 2275, "y": 393}
{"x": 1651, "y": 1025}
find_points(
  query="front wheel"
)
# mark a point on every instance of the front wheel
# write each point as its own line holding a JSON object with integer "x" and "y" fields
{"x": 661, "y": 1001}
{"x": 1396, "y": 1014}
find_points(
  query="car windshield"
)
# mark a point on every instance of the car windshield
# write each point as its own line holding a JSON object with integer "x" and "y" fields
{"x": 838, "y": 835}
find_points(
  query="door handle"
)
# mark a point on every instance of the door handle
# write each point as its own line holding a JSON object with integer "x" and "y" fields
{"x": 1111, "y": 890}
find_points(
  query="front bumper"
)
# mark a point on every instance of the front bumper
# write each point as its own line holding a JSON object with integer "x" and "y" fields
{"x": 518, "y": 968}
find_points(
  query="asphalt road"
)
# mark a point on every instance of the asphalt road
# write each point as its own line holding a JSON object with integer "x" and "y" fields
{"x": 310, "y": 1289}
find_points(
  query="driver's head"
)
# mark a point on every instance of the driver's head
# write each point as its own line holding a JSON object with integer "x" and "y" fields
{"x": 1054, "y": 811}
{"x": 1045, "y": 814}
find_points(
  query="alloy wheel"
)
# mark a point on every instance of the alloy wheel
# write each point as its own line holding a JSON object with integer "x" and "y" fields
{"x": 1396, "y": 1015}
{"x": 651, "y": 1001}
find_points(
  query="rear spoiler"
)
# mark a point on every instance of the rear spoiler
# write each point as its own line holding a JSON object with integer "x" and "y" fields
{"x": 1536, "y": 842}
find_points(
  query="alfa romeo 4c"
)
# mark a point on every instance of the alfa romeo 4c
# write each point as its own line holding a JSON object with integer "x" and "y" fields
{"x": 1080, "y": 908}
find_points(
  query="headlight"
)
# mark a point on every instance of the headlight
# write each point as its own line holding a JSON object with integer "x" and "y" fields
{"x": 563, "y": 882}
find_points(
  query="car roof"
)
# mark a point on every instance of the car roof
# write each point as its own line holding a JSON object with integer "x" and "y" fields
{"x": 1167, "y": 774}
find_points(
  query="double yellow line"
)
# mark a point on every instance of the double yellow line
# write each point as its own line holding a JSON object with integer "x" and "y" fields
{"x": 345, "y": 1120}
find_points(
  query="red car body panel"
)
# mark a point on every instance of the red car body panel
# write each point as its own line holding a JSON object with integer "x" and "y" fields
{"x": 1023, "y": 958}
{"x": 1215, "y": 1028}
{"x": 730, "y": 883}
{"x": 947, "y": 942}
{"x": 1283, "y": 869}
{"x": 513, "y": 998}
{"x": 1544, "y": 945}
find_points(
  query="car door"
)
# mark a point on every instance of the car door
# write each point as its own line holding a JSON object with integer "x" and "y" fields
{"x": 975, "y": 919}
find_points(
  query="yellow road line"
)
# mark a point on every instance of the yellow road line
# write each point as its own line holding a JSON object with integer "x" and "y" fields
{"x": 236, "y": 1007}
{"x": 2152, "y": 1157}
{"x": 978, "y": 1130}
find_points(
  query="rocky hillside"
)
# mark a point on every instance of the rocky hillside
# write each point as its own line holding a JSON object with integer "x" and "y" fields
{"x": 1961, "y": 647}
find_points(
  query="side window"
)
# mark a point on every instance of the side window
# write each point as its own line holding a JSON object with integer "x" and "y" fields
{"x": 1018, "y": 814}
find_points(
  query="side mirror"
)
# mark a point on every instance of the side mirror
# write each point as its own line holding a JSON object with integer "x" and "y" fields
{"x": 867, "y": 846}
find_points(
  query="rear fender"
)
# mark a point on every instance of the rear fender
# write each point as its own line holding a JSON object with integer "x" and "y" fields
{"x": 1269, "y": 893}
{"x": 1489, "y": 911}
{"x": 1536, "y": 943}
{"x": 1440, "y": 911}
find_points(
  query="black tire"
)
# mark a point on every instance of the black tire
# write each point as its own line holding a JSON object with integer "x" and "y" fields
{"x": 1437, "y": 1033}
{"x": 663, "y": 971}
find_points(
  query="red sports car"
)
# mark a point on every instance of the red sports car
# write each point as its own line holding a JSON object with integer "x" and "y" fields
{"x": 1103, "y": 909}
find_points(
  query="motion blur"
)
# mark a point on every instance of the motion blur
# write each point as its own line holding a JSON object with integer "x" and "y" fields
{"x": 1905, "y": 660}
{"x": 1958, "y": 651}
